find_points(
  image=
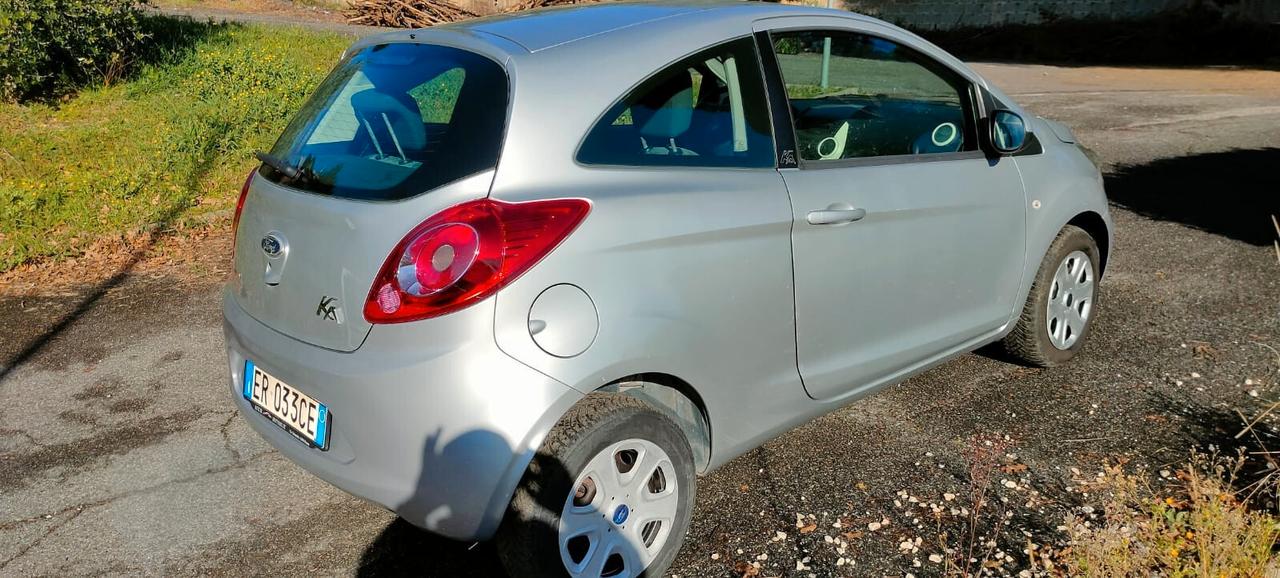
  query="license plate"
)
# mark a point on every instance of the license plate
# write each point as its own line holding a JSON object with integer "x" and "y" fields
{"x": 296, "y": 412}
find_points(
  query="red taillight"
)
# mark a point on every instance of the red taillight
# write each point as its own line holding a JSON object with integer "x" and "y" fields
{"x": 465, "y": 253}
{"x": 244, "y": 192}
{"x": 439, "y": 258}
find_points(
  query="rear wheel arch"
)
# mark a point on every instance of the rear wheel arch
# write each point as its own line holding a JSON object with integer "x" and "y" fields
{"x": 679, "y": 400}
{"x": 1096, "y": 227}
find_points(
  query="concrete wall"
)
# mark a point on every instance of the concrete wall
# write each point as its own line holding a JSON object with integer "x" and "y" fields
{"x": 944, "y": 14}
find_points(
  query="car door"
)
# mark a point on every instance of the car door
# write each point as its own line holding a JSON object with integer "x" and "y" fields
{"x": 908, "y": 241}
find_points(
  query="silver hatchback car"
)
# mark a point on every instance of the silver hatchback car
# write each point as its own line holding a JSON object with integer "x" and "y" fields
{"x": 526, "y": 277}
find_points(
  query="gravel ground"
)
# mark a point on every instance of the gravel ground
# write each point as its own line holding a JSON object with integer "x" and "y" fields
{"x": 120, "y": 452}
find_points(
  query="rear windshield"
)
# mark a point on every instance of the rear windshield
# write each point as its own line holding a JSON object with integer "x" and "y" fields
{"x": 396, "y": 120}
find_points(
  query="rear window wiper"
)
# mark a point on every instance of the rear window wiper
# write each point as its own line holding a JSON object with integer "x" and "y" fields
{"x": 293, "y": 173}
{"x": 289, "y": 171}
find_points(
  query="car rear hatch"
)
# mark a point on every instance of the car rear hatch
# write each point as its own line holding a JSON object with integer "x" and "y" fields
{"x": 395, "y": 134}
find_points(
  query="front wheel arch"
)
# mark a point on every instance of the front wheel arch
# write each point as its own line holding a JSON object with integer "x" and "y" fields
{"x": 1096, "y": 227}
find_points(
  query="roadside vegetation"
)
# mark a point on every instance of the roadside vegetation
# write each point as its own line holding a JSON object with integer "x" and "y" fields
{"x": 159, "y": 145}
{"x": 51, "y": 46}
{"x": 1199, "y": 524}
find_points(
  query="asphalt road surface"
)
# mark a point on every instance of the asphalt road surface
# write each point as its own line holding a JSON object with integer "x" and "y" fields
{"x": 120, "y": 451}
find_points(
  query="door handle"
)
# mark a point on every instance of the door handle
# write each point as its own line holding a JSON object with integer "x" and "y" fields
{"x": 836, "y": 214}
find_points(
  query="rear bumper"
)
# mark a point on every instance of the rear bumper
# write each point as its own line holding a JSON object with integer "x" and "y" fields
{"x": 438, "y": 429}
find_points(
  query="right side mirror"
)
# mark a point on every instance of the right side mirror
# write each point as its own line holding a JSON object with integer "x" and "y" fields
{"x": 1008, "y": 131}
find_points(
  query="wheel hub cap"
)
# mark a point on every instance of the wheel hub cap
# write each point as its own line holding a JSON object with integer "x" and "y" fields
{"x": 621, "y": 511}
{"x": 1070, "y": 300}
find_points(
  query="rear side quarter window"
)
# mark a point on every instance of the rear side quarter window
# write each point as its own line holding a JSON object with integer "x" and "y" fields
{"x": 707, "y": 110}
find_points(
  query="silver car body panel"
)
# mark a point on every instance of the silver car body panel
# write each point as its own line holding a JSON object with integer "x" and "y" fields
{"x": 572, "y": 25}
{"x": 428, "y": 419}
{"x": 935, "y": 264}
{"x": 332, "y": 254}
{"x": 696, "y": 276}
{"x": 1062, "y": 184}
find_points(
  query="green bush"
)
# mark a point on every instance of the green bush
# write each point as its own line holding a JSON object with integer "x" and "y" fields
{"x": 50, "y": 46}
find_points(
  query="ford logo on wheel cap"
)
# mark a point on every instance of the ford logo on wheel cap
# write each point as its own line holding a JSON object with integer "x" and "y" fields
{"x": 272, "y": 245}
{"x": 620, "y": 514}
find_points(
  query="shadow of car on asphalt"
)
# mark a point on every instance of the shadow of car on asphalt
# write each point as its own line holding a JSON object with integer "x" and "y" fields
{"x": 405, "y": 549}
{"x": 402, "y": 548}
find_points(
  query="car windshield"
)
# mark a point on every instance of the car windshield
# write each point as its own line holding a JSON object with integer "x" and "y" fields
{"x": 393, "y": 121}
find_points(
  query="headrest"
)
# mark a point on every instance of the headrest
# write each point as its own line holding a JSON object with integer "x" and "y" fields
{"x": 370, "y": 105}
{"x": 666, "y": 111}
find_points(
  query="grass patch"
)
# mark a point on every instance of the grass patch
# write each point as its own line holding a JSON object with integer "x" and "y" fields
{"x": 173, "y": 143}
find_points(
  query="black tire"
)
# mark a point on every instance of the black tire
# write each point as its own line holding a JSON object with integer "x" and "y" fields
{"x": 1029, "y": 341}
{"x": 528, "y": 540}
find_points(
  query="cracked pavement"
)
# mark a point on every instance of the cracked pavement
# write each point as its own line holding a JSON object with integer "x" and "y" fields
{"x": 120, "y": 451}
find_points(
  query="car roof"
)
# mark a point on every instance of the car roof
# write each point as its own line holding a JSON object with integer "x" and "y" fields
{"x": 540, "y": 29}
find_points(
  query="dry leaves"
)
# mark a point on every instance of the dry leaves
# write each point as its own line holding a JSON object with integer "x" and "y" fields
{"x": 401, "y": 14}
{"x": 746, "y": 569}
{"x": 1013, "y": 468}
{"x": 1202, "y": 350}
{"x": 185, "y": 255}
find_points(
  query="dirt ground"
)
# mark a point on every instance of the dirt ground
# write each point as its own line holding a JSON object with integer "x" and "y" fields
{"x": 120, "y": 451}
